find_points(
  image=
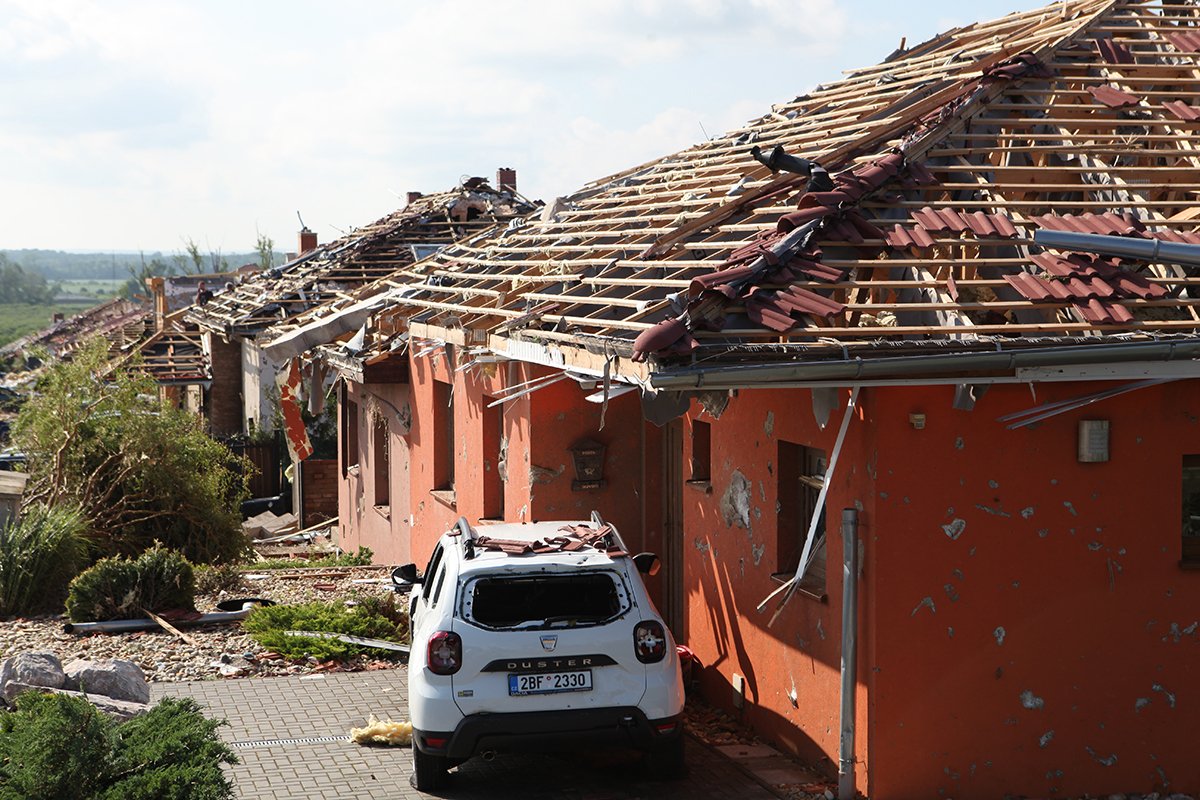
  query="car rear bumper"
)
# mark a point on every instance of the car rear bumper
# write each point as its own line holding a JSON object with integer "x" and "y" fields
{"x": 619, "y": 726}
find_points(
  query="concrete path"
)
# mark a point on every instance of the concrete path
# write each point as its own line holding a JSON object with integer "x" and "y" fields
{"x": 292, "y": 736}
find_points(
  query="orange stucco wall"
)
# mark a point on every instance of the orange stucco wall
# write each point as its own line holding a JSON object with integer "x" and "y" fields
{"x": 730, "y": 550}
{"x": 1041, "y": 645}
{"x": 362, "y": 520}
{"x": 1037, "y": 644}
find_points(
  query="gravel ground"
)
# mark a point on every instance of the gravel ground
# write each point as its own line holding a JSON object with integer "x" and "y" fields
{"x": 219, "y": 650}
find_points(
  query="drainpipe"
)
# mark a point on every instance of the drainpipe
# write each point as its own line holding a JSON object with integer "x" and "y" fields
{"x": 849, "y": 651}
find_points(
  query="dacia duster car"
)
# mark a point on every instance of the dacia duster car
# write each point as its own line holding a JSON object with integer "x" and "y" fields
{"x": 538, "y": 636}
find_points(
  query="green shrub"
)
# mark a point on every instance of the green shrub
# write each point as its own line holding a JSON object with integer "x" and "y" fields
{"x": 217, "y": 578}
{"x": 268, "y": 625}
{"x": 363, "y": 558}
{"x": 39, "y": 555}
{"x": 117, "y": 588}
{"x": 55, "y": 746}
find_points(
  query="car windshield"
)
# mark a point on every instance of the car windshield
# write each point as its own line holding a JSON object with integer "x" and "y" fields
{"x": 544, "y": 601}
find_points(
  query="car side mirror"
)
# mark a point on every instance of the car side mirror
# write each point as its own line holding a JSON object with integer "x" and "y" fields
{"x": 405, "y": 577}
{"x": 647, "y": 563}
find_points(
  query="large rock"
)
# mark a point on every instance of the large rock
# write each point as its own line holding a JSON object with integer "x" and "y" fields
{"x": 121, "y": 709}
{"x": 33, "y": 669}
{"x": 111, "y": 677}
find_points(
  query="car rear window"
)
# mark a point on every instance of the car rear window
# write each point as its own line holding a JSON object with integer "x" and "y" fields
{"x": 554, "y": 600}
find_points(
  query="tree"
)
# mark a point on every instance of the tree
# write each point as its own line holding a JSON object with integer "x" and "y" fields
{"x": 19, "y": 286}
{"x": 154, "y": 268}
{"x": 265, "y": 248}
{"x": 140, "y": 469}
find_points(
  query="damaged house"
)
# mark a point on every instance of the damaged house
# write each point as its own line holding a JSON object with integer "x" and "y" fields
{"x": 899, "y": 379}
{"x": 248, "y": 383}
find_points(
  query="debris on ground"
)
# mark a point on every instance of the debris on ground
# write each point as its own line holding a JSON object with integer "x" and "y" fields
{"x": 386, "y": 732}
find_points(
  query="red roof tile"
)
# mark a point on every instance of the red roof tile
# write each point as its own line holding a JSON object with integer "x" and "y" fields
{"x": 1182, "y": 110}
{"x": 1107, "y": 223}
{"x": 1186, "y": 42}
{"x": 1113, "y": 52}
{"x": 1114, "y": 97}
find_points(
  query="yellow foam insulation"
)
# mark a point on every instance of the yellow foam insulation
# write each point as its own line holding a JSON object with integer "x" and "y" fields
{"x": 386, "y": 732}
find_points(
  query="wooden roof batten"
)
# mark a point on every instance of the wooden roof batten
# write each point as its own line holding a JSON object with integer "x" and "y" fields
{"x": 971, "y": 134}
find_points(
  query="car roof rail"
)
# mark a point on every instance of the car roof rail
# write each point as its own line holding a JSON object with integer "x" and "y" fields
{"x": 614, "y": 537}
{"x": 464, "y": 529}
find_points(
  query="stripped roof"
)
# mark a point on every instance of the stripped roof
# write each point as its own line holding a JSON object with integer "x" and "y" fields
{"x": 332, "y": 272}
{"x": 942, "y": 161}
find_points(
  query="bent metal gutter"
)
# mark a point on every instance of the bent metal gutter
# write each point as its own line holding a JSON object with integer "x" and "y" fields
{"x": 858, "y": 370}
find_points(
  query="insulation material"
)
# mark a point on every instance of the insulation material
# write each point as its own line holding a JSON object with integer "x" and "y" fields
{"x": 289, "y": 382}
{"x": 384, "y": 732}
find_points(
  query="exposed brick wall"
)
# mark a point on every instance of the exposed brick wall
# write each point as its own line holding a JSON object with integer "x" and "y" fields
{"x": 225, "y": 396}
{"x": 319, "y": 477}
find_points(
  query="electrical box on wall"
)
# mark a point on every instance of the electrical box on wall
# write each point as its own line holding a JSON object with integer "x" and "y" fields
{"x": 1093, "y": 441}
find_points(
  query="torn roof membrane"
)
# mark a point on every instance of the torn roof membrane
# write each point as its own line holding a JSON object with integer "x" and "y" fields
{"x": 945, "y": 158}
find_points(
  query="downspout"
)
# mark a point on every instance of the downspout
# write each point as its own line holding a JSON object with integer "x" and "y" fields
{"x": 849, "y": 651}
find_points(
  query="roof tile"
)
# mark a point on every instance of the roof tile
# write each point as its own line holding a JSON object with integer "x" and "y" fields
{"x": 1113, "y": 97}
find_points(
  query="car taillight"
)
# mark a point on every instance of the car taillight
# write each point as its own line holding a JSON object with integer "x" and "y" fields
{"x": 445, "y": 653}
{"x": 649, "y": 642}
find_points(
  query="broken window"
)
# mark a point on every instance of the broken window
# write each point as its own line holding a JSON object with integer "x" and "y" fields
{"x": 701, "y": 451}
{"x": 543, "y": 601}
{"x": 383, "y": 468}
{"x": 800, "y": 473}
{"x": 443, "y": 433}
{"x": 349, "y": 433}
{"x": 1191, "y": 511}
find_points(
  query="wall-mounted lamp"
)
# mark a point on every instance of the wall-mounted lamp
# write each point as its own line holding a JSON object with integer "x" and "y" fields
{"x": 588, "y": 457}
{"x": 1093, "y": 441}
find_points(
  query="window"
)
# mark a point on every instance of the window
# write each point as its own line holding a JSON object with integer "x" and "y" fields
{"x": 382, "y": 463}
{"x": 349, "y": 433}
{"x": 443, "y": 434}
{"x": 493, "y": 460}
{"x": 701, "y": 451}
{"x": 435, "y": 561}
{"x": 800, "y": 474}
{"x": 1190, "y": 555}
{"x": 533, "y": 601}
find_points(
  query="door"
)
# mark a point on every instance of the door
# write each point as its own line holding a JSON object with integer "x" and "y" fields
{"x": 674, "y": 611}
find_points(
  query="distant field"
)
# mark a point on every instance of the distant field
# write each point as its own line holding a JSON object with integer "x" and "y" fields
{"x": 101, "y": 289}
{"x": 18, "y": 319}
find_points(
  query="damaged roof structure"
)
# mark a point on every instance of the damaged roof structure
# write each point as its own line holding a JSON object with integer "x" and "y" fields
{"x": 872, "y": 228}
{"x": 332, "y": 273}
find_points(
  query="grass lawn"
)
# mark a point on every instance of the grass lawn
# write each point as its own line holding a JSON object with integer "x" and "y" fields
{"x": 18, "y": 319}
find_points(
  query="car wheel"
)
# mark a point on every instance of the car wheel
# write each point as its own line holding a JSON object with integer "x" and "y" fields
{"x": 666, "y": 761}
{"x": 429, "y": 771}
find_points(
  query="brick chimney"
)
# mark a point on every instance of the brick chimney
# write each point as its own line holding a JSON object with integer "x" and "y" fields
{"x": 413, "y": 197}
{"x": 506, "y": 179}
{"x": 308, "y": 241}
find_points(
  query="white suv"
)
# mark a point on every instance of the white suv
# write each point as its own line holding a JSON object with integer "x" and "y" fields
{"x": 538, "y": 636}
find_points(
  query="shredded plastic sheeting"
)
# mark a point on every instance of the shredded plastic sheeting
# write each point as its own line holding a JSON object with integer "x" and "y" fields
{"x": 385, "y": 732}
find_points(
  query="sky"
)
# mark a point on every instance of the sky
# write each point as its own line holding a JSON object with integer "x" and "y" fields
{"x": 131, "y": 125}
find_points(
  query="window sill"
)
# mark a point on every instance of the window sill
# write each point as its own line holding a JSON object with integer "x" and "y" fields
{"x": 383, "y": 511}
{"x": 1190, "y": 564}
{"x": 811, "y": 591}
{"x": 445, "y": 496}
{"x": 701, "y": 486}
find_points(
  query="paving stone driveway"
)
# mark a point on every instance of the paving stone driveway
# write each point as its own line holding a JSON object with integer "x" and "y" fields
{"x": 291, "y": 735}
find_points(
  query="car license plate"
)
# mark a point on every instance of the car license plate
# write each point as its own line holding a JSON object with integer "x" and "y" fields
{"x": 550, "y": 682}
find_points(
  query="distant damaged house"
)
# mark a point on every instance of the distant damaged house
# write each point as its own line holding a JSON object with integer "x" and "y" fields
{"x": 238, "y": 322}
{"x": 900, "y": 379}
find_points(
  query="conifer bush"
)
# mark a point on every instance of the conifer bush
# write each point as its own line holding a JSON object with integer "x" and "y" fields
{"x": 55, "y": 746}
{"x": 267, "y": 624}
{"x": 121, "y": 588}
{"x": 39, "y": 555}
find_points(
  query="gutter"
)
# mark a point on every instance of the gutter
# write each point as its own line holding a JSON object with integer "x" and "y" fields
{"x": 856, "y": 370}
